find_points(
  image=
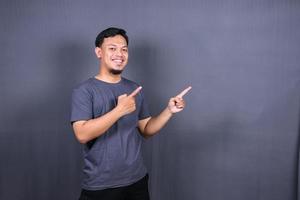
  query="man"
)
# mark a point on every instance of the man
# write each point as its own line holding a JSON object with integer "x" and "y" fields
{"x": 110, "y": 117}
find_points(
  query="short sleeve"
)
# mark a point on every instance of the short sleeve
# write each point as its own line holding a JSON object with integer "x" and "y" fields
{"x": 82, "y": 105}
{"x": 144, "y": 110}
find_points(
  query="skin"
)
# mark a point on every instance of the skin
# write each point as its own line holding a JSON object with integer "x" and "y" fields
{"x": 113, "y": 55}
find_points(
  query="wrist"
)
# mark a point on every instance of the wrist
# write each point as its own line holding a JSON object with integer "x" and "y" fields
{"x": 118, "y": 111}
{"x": 169, "y": 112}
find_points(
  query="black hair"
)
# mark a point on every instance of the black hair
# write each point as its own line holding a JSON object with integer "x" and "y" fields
{"x": 110, "y": 32}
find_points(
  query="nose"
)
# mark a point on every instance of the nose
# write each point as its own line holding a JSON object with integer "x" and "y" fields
{"x": 119, "y": 52}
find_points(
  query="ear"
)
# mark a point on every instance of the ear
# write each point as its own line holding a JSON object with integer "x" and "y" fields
{"x": 98, "y": 52}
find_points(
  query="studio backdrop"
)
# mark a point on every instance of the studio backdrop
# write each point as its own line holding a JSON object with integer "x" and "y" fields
{"x": 237, "y": 139}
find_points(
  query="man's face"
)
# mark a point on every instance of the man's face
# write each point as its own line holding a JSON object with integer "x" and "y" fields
{"x": 113, "y": 54}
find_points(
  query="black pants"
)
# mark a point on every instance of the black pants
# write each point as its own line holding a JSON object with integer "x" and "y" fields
{"x": 135, "y": 191}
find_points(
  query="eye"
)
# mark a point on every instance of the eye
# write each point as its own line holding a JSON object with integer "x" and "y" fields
{"x": 112, "y": 48}
{"x": 125, "y": 50}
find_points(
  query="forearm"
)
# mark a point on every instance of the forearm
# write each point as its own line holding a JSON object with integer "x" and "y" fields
{"x": 157, "y": 123}
{"x": 93, "y": 128}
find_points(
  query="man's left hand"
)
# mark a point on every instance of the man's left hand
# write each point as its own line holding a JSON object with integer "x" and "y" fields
{"x": 177, "y": 104}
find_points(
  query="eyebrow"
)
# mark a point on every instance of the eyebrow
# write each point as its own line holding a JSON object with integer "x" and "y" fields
{"x": 116, "y": 45}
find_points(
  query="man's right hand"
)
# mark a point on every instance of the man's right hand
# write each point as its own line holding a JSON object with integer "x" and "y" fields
{"x": 126, "y": 103}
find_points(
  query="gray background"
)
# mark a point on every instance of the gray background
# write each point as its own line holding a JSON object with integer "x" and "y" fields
{"x": 238, "y": 137}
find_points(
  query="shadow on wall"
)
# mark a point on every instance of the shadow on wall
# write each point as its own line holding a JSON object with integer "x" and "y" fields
{"x": 45, "y": 145}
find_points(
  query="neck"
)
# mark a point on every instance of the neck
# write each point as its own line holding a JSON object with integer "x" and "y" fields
{"x": 108, "y": 77}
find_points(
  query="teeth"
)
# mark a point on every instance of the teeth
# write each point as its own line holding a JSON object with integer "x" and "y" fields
{"x": 118, "y": 61}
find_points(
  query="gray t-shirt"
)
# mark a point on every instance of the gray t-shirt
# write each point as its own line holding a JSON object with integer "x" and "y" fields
{"x": 113, "y": 159}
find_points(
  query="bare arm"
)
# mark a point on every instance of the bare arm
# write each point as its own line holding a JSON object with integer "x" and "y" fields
{"x": 90, "y": 129}
{"x": 86, "y": 130}
{"x": 150, "y": 126}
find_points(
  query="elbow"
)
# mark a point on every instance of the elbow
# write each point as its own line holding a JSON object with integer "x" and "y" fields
{"x": 82, "y": 141}
{"x": 148, "y": 133}
{"x": 81, "y": 138}
{"x": 81, "y": 133}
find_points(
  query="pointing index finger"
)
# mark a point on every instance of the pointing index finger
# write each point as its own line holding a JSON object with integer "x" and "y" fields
{"x": 181, "y": 94}
{"x": 135, "y": 92}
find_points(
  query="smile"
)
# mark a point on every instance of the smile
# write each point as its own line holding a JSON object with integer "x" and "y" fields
{"x": 118, "y": 61}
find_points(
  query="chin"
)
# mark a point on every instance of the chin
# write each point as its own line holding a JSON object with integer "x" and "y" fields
{"x": 116, "y": 71}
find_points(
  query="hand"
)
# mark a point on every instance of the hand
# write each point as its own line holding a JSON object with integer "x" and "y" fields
{"x": 177, "y": 104}
{"x": 126, "y": 103}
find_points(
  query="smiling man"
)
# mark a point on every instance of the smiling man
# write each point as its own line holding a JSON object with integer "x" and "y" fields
{"x": 110, "y": 117}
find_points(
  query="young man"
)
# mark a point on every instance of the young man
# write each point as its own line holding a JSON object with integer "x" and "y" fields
{"x": 110, "y": 117}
